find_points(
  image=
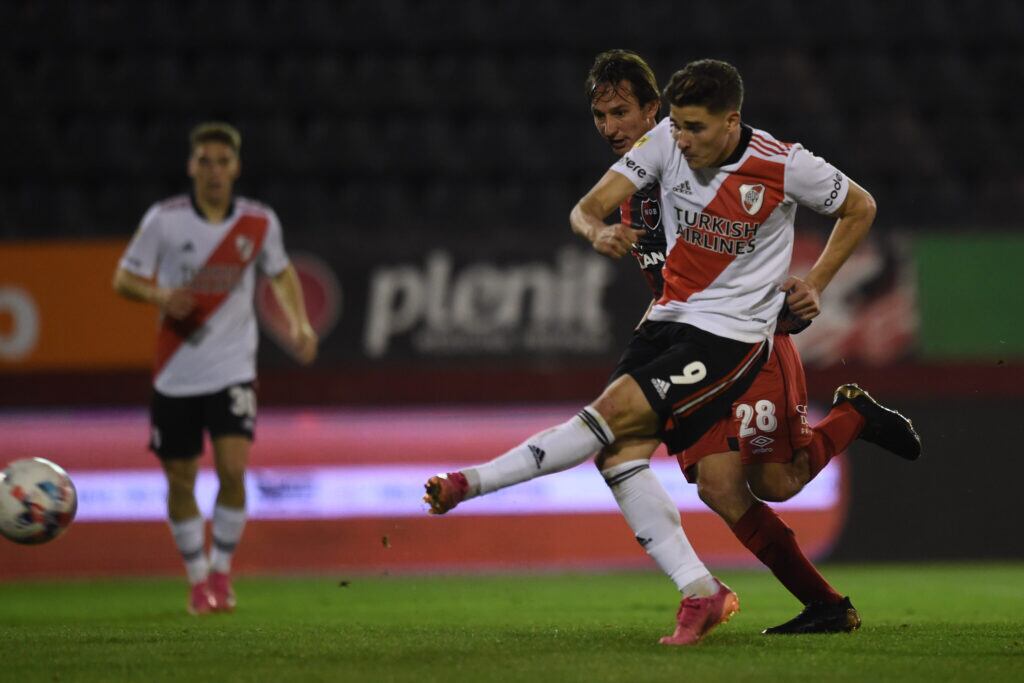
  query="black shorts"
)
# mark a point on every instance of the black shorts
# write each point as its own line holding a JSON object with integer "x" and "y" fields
{"x": 690, "y": 377}
{"x": 178, "y": 422}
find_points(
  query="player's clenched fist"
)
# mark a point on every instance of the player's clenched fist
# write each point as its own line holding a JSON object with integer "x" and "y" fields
{"x": 176, "y": 303}
{"x": 616, "y": 240}
{"x": 304, "y": 343}
{"x": 803, "y": 298}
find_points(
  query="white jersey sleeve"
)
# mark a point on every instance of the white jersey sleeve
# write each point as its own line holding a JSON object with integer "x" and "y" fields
{"x": 143, "y": 252}
{"x": 813, "y": 182}
{"x": 273, "y": 259}
{"x": 645, "y": 163}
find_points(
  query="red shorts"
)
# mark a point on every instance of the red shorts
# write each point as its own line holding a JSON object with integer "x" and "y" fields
{"x": 768, "y": 423}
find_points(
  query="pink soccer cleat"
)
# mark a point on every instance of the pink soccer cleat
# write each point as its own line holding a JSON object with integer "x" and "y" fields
{"x": 222, "y": 593}
{"x": 200, "y": 600}
{"x": 445, "y": 491}
{"x": 698, "y": 616}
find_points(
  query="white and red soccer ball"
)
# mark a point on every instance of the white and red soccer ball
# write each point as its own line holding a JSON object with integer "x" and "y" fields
{"x": 37, "y": 501}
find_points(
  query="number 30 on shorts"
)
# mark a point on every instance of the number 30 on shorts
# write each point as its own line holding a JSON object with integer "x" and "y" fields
{"x": 243, "y": 401}
{"x": 762, "y": 414}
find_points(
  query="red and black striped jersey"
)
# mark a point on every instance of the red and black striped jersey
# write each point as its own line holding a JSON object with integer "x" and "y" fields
{"x": 642, "y": 211}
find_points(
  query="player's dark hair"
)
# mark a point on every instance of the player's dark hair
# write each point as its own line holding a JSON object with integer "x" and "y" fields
{"x": 709, "y": 83}
{"x": 215, "y": 131}
{"x": 615, "y": 66}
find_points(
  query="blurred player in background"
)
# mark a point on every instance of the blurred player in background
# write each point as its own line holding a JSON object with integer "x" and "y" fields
{"x": 624, "y": 102}
{"x": 204, "y": 250}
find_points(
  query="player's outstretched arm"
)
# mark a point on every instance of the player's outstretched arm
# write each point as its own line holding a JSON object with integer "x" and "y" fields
{"x": 856, "y": 214}
{"x": 176, "y": 303}
{"x": 288, "y": 291}
{"x": 587, "y": 217}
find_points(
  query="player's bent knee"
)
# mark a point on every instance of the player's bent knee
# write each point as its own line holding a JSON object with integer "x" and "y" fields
{"x": 724, "y": 497}
{"x": 180, "y": 480}
{"x": 711, "y": 493}
{"x": 625, "y": 409}
{"x": 774, "y": 489}
{"x": 767, "y": 492}
{"x": 232, "y": 479}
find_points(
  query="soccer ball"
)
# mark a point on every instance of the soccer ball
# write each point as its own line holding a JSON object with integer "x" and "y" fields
{"x": 37, "y": 501}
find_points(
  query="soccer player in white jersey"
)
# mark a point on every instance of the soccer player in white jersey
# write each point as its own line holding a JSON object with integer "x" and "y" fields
{"x": 707, "y": 335}
{"x": 774, "y": 455}
{"x": 195, "y": 258}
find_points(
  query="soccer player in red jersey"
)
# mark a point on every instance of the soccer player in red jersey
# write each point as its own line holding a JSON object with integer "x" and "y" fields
{"x": 195, "y": 258}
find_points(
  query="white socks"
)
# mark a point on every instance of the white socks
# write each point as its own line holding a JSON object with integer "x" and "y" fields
{"x": 655, "y": 522}
{"x": 645, "y": 504}
{"x": 228, "y": 525}
{"x": 552, "y": 450}
{"x": 189, "y": 537}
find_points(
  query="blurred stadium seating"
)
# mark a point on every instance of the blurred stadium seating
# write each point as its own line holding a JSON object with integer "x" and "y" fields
{"x": 380, "y": 113}
{"x": 423, "y": 157}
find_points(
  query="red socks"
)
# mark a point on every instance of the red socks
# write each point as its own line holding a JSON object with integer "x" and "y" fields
{"x": 768, "y": 537}
{"x": 833, "y": 435}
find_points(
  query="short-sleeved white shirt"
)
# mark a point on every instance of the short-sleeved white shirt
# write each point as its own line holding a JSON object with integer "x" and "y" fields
{"x": 173, "y": 243}
{"x": 730, "y": 229}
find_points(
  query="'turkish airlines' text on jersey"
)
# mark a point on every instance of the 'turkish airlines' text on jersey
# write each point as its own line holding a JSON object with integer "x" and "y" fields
{"x": 729, "y": 230}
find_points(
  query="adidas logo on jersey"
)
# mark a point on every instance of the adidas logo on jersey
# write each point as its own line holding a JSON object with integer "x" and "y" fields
{"x": 661, "y": 386}
{"x": 683, "y": 188}
{"x": 644, "y": 542}
{"x": 188, "y": 247}
{"x": 538, "y": 454}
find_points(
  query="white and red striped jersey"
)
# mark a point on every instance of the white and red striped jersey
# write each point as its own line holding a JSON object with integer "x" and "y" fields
{"x": 215, "y": 346}
{"x": 730, "y": 229}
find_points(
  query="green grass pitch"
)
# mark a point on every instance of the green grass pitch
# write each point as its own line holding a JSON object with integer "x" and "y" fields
{"x": 921, "y": 623}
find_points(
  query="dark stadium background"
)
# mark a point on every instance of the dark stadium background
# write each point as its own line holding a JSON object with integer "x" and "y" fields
{"x": 445, "y": 142}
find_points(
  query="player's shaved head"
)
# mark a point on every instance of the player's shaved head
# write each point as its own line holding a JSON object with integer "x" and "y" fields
{"x": 613, "y": 67}
{"x": 709, "y": 83}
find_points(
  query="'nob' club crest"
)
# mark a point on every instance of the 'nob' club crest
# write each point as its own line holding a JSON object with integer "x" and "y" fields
{"x": 752, "y": 196}
{"x": 650, "y": 213}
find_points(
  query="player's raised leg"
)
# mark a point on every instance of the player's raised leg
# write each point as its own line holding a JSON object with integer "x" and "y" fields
{"x": 231, "y": 455}
{"x": 854, "y": 415}
{"x": 882, "y": 426}
{"x": 552, "y": 450}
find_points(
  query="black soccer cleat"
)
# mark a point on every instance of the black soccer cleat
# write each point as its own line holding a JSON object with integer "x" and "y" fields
{"x": 882, "y": 426}
{"x": 820, "y": 617}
